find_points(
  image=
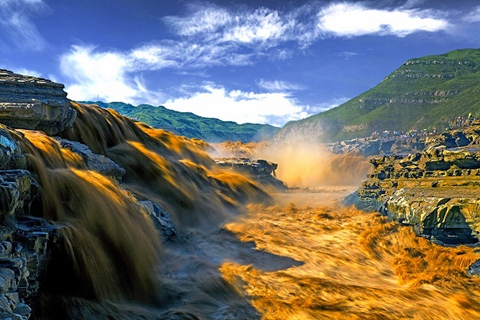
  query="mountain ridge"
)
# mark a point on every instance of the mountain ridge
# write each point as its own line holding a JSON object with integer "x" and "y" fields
{"x": 191, "y": 125}
{"x": 423, "y": 93}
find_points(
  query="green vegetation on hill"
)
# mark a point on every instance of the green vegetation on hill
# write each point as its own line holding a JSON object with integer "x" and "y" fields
{"x": 192, "y": 126}
{"x": 424, "y": 93}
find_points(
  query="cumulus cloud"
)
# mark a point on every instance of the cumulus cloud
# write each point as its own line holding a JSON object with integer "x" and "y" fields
{"x": 17, "y": 25}
{"x": 239, "y": 106}
{"x": 350, "y": 20}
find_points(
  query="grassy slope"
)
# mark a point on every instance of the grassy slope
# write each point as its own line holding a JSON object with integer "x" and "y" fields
{"x": 191, "y": 125}
{"x": 412, "y": 97}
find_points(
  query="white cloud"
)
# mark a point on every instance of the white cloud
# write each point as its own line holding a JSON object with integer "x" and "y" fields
{"x": 17, "y": 26}
{"x": 210, "y": 36}
{"x": 260, "y": 26}
{"x": 350, "y": 20}
{"x": 279, "y": 85}
{"x": 103, "y": 76}
{"x": 473, "y": 16}
{"x": 239, "y": 106}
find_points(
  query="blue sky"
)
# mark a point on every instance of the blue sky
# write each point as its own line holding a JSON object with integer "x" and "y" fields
{"x": 245, "y": 61}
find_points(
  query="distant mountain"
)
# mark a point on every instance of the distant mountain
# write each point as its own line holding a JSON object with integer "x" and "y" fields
{"x": 423, "y": 93}
{"x": 192, "y": 126}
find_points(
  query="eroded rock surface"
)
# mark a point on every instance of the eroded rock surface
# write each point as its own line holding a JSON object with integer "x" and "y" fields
{"x": 161, "y": 219}
{"x": 93, "y": 161}
{"x": 34, "y": 103}
{"x": 435, "y": 191}
{"x": 260, "y": 170}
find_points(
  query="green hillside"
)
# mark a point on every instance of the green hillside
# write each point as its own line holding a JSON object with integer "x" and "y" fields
{"x": 423, "y": 93}
{"x": 190, "y": 125}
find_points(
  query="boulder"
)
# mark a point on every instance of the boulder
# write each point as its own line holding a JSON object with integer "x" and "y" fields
{"x": 262, "y": 171}
{"x": 34, "y": 103}
{"x": 161, "y": 219}
{"x": 93, "y": 161}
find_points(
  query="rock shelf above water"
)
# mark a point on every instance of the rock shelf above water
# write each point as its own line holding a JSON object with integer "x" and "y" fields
{"x": 435, "y": 190}
{"x": 33, "y": 103}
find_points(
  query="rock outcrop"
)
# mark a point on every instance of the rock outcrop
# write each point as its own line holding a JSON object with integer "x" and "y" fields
{"x": 262, "y": 171}
{"x": 93, "y": 161}
{"x": 161, "y": 219}
{"x": 371, "y": 147}
{"x": 435, "y": 191}
{"x": 403, "y": 145}
{"x": 34, "y": 103}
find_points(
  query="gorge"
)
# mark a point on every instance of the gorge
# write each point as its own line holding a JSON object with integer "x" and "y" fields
{"x": 105, "y": 217}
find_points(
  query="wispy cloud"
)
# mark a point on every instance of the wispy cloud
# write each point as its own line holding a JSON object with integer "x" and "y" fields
{"x": 17, "y": 25}
{"x": 27, "y": 72}
{"x": 347, "y": 54}
{"x": 351, "y": 20}
{"x": 473, "y": 16}
{"x": 279, "y": 85}
{"x": 239, "y": 106}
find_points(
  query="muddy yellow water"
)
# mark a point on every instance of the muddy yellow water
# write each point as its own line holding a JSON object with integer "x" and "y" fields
{"x": 306, "y": 257}
{"x": 352, "y": 265}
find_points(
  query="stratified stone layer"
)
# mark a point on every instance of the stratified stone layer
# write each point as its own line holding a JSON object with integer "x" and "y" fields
{"x": 436, "y": 191}
{"x": 34, "y": 103}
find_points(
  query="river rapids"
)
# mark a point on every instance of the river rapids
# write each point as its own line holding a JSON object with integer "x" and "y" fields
{"x": 241, "y": 251}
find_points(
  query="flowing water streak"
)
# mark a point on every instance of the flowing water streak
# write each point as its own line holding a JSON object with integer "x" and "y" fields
{"x": 175, "y": 172}
{"x": 356, "y": 266}
{"x": 98, "y": 256}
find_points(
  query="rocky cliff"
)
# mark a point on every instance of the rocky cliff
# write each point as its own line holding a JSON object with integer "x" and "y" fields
{"x": 424, "y": 93}
{"x": 435, "y": 190}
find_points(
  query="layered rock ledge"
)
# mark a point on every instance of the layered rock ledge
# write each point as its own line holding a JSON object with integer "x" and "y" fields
{"x": 34, "y": 103}
{"x": 435, "y": 191}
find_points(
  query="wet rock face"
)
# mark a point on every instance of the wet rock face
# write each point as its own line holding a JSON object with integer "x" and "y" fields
{"x": 93, "y": 161}
{"x": 34, "y": 103}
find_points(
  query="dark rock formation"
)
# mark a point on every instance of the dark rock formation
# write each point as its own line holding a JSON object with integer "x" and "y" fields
{"x": 160, "y": 218}
{"x": 34, "y": 103}
{"x": 24, "y": 244}
{"x": 262, "y": 171}
{"x": 93, "y": 161}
